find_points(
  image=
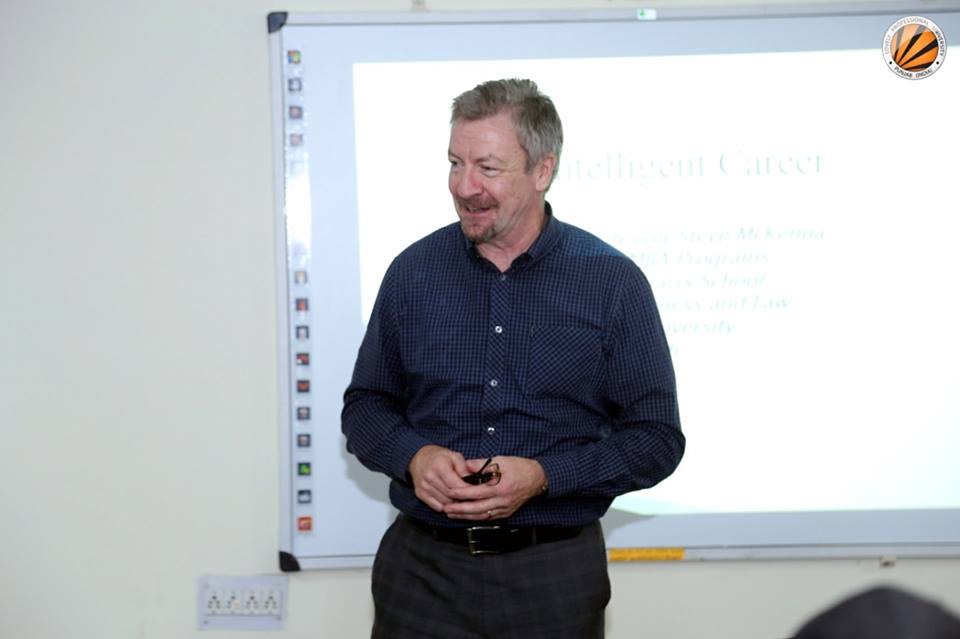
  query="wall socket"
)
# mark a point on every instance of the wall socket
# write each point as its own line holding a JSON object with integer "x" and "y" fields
{"x": 257, "y": 602}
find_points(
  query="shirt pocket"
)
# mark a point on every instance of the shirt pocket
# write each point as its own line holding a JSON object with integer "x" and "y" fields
{"x": 563, "y": 361}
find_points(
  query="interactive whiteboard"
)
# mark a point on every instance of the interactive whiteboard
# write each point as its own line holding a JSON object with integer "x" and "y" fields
{"x": 791, "y": 199}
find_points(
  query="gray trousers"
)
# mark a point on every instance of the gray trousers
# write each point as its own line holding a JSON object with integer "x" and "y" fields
{"x": 424, "y": 588}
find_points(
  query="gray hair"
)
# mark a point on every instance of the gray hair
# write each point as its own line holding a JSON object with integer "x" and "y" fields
{"x": 534, "y": 117}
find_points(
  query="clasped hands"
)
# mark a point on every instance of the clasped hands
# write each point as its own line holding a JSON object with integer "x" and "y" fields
{"x": 438, "y": 473}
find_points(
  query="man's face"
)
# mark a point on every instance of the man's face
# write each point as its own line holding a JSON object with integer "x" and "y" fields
{"x": 496, "y": 198}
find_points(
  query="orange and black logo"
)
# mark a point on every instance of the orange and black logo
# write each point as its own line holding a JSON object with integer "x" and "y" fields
{"x": 914, "y": 47}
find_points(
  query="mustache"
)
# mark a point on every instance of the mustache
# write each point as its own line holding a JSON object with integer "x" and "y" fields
{"x": 476, "y": 203}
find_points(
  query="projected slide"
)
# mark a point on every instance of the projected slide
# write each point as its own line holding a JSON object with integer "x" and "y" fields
{"x": 800, "y": 243}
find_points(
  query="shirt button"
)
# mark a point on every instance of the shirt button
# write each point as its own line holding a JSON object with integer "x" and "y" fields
{"x": 494, "y": 383}
{"x": 491, "y": 430}
{"x": 503, "y": 277}
{"x": 497, "y": 329}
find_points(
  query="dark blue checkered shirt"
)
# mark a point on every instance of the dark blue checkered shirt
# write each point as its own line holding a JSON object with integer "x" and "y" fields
{"x": 561, "y": 359}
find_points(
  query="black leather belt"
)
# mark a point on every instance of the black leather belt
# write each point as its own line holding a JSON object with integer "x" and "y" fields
{"x": 491, "y": 539}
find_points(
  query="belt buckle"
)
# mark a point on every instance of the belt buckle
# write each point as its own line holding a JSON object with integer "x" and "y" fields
{"x": 473, "y": 542}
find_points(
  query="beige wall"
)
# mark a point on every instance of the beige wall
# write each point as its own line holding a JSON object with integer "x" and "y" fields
{"x": 137, "y": 363}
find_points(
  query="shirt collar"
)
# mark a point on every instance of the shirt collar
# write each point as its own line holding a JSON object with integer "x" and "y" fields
{"x": 548, "y": 238}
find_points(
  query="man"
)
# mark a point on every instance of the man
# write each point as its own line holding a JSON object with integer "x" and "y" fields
{"x": 513, "y": 379}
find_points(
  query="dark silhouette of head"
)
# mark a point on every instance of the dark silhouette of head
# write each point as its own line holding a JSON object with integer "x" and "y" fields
{"x": 883, "y": 613}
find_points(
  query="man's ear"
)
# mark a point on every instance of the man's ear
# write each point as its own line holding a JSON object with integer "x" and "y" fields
{"x": 544, "y": 171}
